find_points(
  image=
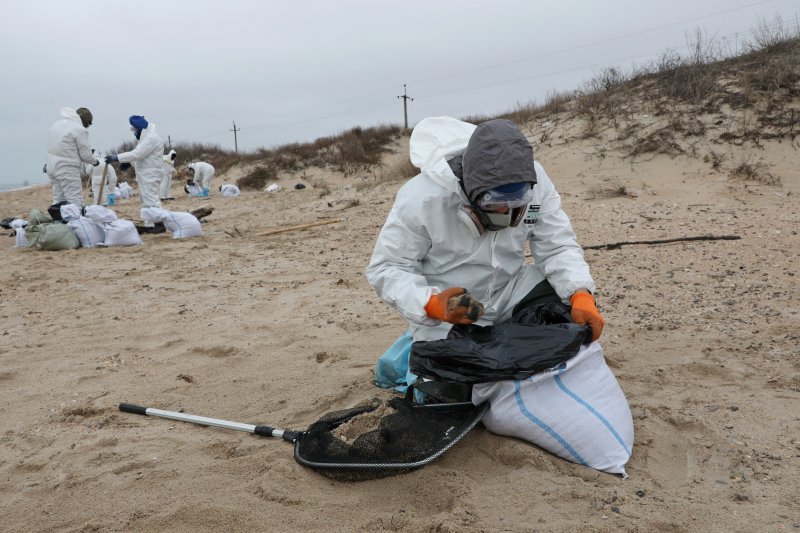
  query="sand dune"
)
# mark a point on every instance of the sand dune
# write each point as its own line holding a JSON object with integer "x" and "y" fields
{"x": 281, "y": 329}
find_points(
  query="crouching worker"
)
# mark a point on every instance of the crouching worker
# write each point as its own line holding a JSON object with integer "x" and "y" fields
{"x": 452, "y": 251}
{"x": 201, "y": 178}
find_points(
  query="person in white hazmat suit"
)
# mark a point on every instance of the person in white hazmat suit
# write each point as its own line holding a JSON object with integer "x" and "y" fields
{"x": 202, "y": 173}
{"x": 147, "y": 160}
{"x": 96, "y": 174}
{"x": 68, "y": 150}
{"x": 452, "y": 251}
{"x": 169, "y": 173}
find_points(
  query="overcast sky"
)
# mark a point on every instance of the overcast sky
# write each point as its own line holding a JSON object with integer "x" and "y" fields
{"x": 296, "y": 70}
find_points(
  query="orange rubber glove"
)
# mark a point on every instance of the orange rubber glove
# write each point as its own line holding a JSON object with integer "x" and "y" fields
{"x": 584, "y": 311}
{"x": 454, "y": 305}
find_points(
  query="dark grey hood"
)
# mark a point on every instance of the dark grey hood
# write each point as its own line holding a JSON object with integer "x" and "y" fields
{"x": 497, "y": 154}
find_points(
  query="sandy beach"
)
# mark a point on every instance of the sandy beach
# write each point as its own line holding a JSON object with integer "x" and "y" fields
{"x": 280, "y": 329}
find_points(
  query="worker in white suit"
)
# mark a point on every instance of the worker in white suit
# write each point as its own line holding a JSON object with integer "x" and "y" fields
{"x": 68, "y": 150}
{"x": 96, "y": 173}
{"x": 147, "y": 160}
{"x": 453, "y": 251}
{"x": 202, "y": 173}
{"x": 169, "y": 173}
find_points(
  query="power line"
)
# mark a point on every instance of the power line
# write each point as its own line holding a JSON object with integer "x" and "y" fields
{"x": 235, "y": 139}
{"x": 345, "y": 112}
{"x": 405, "y": 98}
{"x": 488, "y": 67}
{"x": 587, "y": 45}
{"x": 446, "y": 91}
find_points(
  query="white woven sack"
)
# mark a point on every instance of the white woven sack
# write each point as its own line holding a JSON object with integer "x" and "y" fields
{"x": 125, "y": 190}
{"x": 180, "y": 223}
{"x": 100, "y": 214}
{"x": 576, "y": 411}
{"x": 89, "y": 232}
{"x": 20, "y": 240}
{"x": 121, "y": 233}
{"x": 229, "y": 190}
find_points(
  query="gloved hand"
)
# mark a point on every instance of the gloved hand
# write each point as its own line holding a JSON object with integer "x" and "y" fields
{"x": 111, "y": 159}
{"x": 454, "y": 305}
{"x": 124, "y": 166}
{"x": 584, "y": 311}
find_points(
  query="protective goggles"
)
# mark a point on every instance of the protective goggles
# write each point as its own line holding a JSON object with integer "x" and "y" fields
{"x": 508, "y": 196}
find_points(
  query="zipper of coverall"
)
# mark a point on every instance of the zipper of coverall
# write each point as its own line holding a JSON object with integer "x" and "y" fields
{"x": 488, "y": 296}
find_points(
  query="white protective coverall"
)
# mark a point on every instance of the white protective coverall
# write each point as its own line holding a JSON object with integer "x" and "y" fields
{"x": 68, "y": 150}
{"x": 148, "y": 163}
{"x": 166, "y": 179}
{"x": 203, "y": 172}
{"x": 424, "y": 247}
{"x": 576, "y": 410}
{"x": 96, "y": 172}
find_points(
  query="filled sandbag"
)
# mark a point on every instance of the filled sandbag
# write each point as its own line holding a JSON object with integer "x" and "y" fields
{"x": 18, "y": 225}
{"x": 193, "y": 190}
{"x": 125, "y": 190}
{"x": 100, "y": 214}
{"x": 181, "y": 224}
{"x": 37, "y": 217}
{"x": 121, "y": 233}
{"x": 44, "y": 234}
{"x": 118, "y": 232}
{"x": 51, "y": 237}
{"x": 576, "y": 411}
{"x": 89, "y": 232}
{"x": 229, "y": 190}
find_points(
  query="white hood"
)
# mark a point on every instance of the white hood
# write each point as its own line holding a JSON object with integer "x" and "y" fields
{"x": 434, "y": 141}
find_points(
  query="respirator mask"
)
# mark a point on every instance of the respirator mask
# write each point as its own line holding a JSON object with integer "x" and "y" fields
{"x": 498, "y": 208}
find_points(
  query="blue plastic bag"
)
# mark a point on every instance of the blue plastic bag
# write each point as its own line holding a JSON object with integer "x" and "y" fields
{"x": 391, "y": 369}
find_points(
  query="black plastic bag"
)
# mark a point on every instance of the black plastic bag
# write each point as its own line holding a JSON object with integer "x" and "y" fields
{"x": 55, "y": 211}
{"x": 535, "y": 339}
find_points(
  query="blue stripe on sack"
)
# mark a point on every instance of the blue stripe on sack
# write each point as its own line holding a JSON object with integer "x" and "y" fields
{"x": 550, "y": 431}
{"x": 180, "y": 229}
{"x": 592, "y": 410}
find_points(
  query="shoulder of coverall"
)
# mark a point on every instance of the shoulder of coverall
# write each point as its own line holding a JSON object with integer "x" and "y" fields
{"x": 150, "y": 130}
{"x": 422, "y": 196}
{"x": 544, "y": 185}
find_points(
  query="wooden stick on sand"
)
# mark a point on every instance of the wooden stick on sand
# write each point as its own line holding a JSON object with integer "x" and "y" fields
{"x": 295, "y": 228}
{"x": 102, "y": 186}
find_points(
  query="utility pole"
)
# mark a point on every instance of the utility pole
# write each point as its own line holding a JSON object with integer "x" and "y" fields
{"x": 235, "y": 139}
{"x": 405, "y": 98}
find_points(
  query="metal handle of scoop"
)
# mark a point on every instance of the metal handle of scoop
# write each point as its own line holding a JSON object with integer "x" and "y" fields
{"x": 260, "y": 430}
